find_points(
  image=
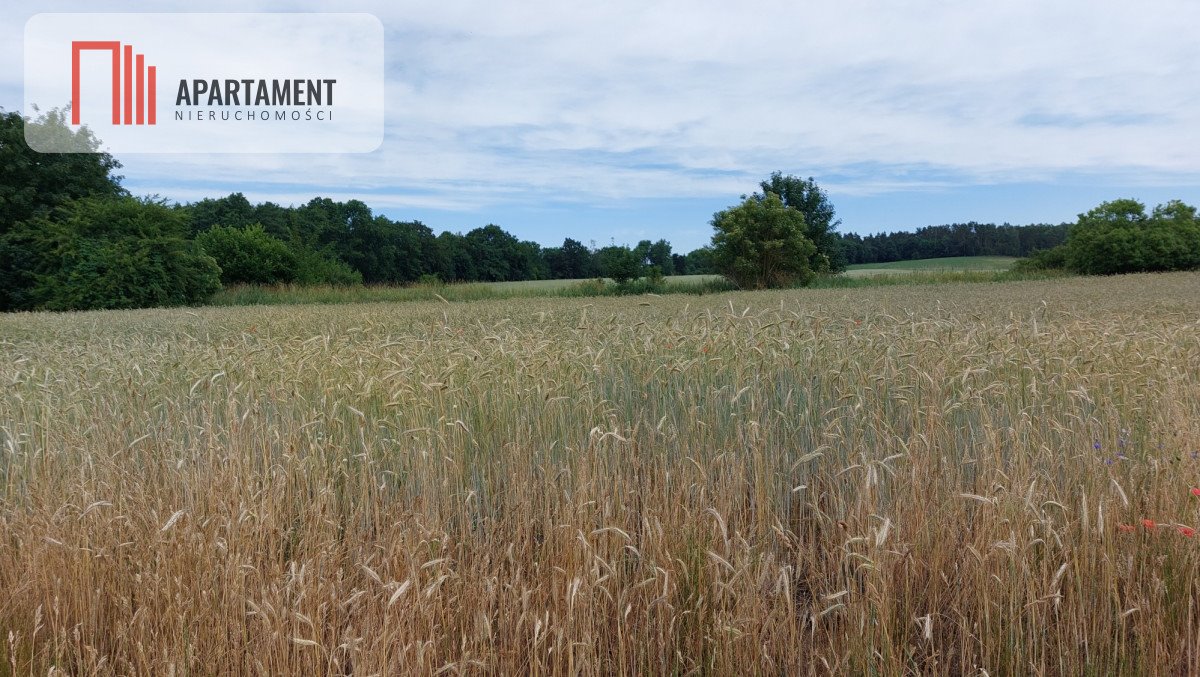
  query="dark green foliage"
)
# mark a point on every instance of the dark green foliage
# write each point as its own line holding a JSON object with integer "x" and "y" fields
{"x": 620, "y": 263}
{"x": 655, "y": 255}
{"x": 384, "y": 251}
{"x": 1119, "y": 237}
{"x": 275, "y": 220}
{"x": 98, "y": 253}
{"x": 248, "y": 255}
{"x": 700, "y": 262}
{"x": 655, "y": 275}
{"x": 333, "y": 242}
{"x": 596, "y": 287}
{"x": 321, "y": 268}
{"x": 493, "y": 251}
{"x": 577, "y": 260}
{"x": 820, "y": 223}
{"x": 330, "y": 239}
{"x": 326, "y": 242}
{"x": 1173, "y": 240}
{"x": 679, "y": 264}
{"x": 456, "y": 262}
{"x": 571, "y": 261}
{"x": 233, "y": 211}
{"x": 500, "y": 257}
{"x": 761, "y": 243}
{"x": 642, "y": 252}
{"x": 959, "y": 239}
{"x": 650, "y": 284}
{"x": 534, "y": 265}
{"x": 71, "y": 238}
{"x": 323, "y": 242}
{"x": 658, "y": 256}
{"x": 33, "y": 183}
{"x": 1046, "y": 259}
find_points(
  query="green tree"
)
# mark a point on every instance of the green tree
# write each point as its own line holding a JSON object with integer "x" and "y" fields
{"x": 1173, "y": 241}
{"x": 620, "y": 263}
{"x": 33, "y": 183}
{"x": 1054, "y": 258}
{"x": 659, "y": 256}
{"x": 457, "y": 263}
{"x": 96, "y": 253}
{"x": 642, "y": 251}
{"x": 530, "y": 264}
{"x": 495, "y": 252}
{"x": 318, "y": 267}
{"x": 570, "y": 261}
{"x": 761, "y": 243}
{"x": 679, "y": 264}
{"x": 700, "y": 262}
{"x": 1119, "y": 237}
{"x": 248, "y": 255}
{"x": 233, "y": 210}
{"x": 820, "y": 222}
{"x": 276, "y": 220}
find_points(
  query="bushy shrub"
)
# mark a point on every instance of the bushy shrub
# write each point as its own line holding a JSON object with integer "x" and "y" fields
{"x": 98, "y": 253}
{"x": 655, "y": 277}
{"x": 619, "y": 263}
{"x": 1119, "y": 237}
{"x": 33, "y": 183}
{"x": 249, "y": 255}
{"x": 1054, "y": 258}
{"x": 644, "y": 285}
{"x": 314, "y": 267}
{"x": 596, "y": 287}
{"x": 761, "y": 243}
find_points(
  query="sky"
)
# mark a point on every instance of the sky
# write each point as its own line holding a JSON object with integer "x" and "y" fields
{"x": 618, "y": 121}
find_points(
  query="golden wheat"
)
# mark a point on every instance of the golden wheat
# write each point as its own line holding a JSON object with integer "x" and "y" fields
{"x": 932, "y": 480}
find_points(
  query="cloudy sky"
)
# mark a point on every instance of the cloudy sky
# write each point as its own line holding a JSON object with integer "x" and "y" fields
{"x": 625, "y": 120}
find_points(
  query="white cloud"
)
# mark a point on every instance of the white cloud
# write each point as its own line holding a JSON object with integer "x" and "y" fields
{"x": 492, "y": 103}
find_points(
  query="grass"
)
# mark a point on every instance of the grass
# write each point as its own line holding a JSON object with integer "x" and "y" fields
{"x": 926, "y": 277}
{"x": 923, "y": 479}
{"x": 946, "y": 264}
{"x": 557, "y": 285}
{"x": 249, "y": 295}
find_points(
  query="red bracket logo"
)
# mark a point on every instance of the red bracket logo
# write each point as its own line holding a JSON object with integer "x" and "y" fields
{"x": 144, "y": 80}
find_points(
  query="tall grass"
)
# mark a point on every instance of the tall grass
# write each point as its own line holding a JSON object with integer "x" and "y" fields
{"x": 933, "y": 276}
{"x": 288, "y": 294}
{"x": 926, "y": 479}
{"x": 249, "y": 295}
{"x": 945, "y": 263}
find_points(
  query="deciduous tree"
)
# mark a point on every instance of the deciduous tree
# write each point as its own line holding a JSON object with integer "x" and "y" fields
{"x": 762, "y": 243}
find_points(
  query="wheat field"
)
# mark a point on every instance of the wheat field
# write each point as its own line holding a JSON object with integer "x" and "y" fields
{"x": 957, "y": 479}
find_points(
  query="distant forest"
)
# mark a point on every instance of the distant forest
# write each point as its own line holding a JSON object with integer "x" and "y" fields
{"x": 72, "y": 237}
{"x": 382, "y": 250}
{"x": 959, "y": 239}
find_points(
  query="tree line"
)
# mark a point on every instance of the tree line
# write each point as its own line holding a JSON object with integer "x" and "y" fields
{"x": 72, "y": 237}
{"x": 1121, "y": 237}
{"x": 959, "y": 239}
{"x": 346, "y": 243}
